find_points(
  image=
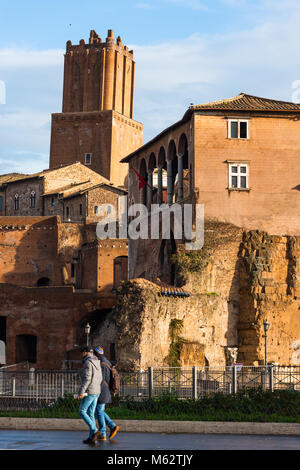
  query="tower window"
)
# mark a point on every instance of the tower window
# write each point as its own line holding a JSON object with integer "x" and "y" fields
{"x": 52, "y": 201}
{"x": 88, "y": 159}
{"x": 16, "y": 202}
{"x": 1, "y": 203}
{"x": 68, "y": 213}
{"x": 96, "y": 210}
{"x": 32, "y": 199}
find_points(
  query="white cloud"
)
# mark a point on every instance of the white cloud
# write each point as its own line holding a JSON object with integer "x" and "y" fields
{"x": 19, "y": 58}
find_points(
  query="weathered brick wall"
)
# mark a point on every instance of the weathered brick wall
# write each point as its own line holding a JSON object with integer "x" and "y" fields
{"x": 107, "y": 135}
{"x": 29, "y": 250}
{"x": 269, "y": 291}
{"x": 56, "y": 315}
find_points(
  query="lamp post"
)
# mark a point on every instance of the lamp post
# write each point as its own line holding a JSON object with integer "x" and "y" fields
{"x": 87, "y": 330}
{"x": 266, "y": 327}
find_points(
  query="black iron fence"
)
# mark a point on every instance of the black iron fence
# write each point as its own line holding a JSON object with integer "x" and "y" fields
{"x": 227, "y": 393}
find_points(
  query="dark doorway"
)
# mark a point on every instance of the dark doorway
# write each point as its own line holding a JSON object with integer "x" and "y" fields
{"x": 26, "y": 346}
{"x": 3, "y": 329}
{"x": 43, "y": 282}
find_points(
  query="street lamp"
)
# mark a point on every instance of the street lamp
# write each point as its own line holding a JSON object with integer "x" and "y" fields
{"x": 87, "y": 330}
{"x": 266, "y": 327}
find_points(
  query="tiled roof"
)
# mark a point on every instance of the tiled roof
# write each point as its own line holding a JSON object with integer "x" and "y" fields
{"x": 241, "y": 102}
{"x": 244, "y": 102}
{"x": 11, "y": 177}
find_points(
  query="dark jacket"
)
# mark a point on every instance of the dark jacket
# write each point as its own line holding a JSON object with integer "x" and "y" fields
{"x": 105, "y": 395}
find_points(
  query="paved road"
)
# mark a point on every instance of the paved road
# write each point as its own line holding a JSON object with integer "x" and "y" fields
{"x": 72, "y": 440}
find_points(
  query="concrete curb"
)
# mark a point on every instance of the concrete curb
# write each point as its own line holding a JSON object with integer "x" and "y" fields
{"x": 168, "y": 427}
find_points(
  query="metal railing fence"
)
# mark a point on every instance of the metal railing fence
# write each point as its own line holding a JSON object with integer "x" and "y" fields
{"x": 184, "y": 382}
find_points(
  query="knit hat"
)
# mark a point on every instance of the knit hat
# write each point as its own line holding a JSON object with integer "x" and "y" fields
{"x": 99, "y": 350}
{"x": 86, "y": 349}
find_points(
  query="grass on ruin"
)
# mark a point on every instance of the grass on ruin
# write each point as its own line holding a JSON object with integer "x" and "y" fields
{"x": 253, "y": 406}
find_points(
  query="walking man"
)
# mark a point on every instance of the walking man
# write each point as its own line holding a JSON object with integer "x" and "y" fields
{"x": 104, "y": 398}
{"x": 89, "y": 391}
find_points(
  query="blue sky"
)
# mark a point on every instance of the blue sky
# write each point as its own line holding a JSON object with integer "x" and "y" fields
{"x": 185, "y": 51}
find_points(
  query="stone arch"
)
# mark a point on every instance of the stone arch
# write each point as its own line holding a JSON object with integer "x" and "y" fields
{"x": 44, "y": 282}
{"x": 182, "y": 188}
{"x": 120, "y": 270}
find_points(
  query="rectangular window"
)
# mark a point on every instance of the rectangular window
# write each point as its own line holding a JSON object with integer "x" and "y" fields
{"x": 238, "y": 176}
{"x": 88, "y": 159}
{"x": 80, "y": 209}
{"x": 238, "y": 129}
{"x": 1, "y": 203}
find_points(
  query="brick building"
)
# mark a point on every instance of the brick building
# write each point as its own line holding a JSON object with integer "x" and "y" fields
{"x": 236, "y": 156}
{"x": 55, "y": 274}
{"x": 54, "y": 277}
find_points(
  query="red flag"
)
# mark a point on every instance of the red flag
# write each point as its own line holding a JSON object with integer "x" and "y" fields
{"x": 142, "y": 182}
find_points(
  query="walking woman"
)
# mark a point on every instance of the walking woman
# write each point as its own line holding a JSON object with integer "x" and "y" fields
{"x": 104, "y": 398}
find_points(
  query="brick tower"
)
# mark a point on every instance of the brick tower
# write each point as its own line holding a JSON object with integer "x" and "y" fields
{"x": 96, "y": 126}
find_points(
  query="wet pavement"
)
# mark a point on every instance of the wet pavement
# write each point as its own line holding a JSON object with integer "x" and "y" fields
{"x": 72, "y": 440}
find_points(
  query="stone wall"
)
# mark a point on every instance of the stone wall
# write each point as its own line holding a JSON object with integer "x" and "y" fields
{"x": 236, "y": 281}
{"x": 269, "y": 291}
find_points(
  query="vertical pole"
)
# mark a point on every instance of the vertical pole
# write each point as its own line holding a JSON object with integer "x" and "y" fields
{"x": 266, "y": 349}
{"x": 149, "y": 188}
{"x": 62, "y": 385}
{"x": 14, "y": 387}
{"x": 234, "y": 379}
{"x": 195, "y": 388}
{"x": 150, "y": 381}
{"x": 271, "y": 379}
{"x": 159, "y": 186}
{"x": 180, "y": 177}
{"x": 169, "y": 183}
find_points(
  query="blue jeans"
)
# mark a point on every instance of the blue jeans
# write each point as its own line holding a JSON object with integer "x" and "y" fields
{"x": 103, "y": 419}
{"x": 87, "y": 412}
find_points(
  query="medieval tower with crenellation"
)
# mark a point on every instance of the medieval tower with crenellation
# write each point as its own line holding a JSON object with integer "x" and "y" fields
{"x": 96, "y": 126}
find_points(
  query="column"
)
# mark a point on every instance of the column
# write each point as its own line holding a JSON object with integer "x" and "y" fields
{"x": 180, "y": 176}
{"x": 149, "y": 189}
{"x": 169, "y": 183}
{"x": 159, "y": 186}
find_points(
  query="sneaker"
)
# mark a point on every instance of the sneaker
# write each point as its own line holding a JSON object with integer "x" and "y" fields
{"x": 88, "y": 441}
{"x": 101, "y": 437}
{"x": 95, "y": 437}
{"x": 113, "y": 432}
